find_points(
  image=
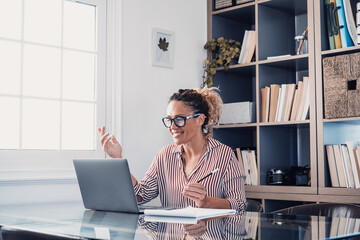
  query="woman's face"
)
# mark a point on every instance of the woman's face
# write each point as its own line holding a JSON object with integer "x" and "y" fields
{"x": 192, "y": 126}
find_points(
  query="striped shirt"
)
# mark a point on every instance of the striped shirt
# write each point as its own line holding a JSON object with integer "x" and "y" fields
{"x": 166, "y": 177}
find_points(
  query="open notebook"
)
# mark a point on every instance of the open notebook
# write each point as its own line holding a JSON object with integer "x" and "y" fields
{"x": 182, "y": 215}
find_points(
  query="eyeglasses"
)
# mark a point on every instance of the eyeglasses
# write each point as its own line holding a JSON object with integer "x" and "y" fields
{"x": 179, "y": 121}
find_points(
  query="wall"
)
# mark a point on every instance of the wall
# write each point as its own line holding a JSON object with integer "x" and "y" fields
{"x": 146, "y": 88}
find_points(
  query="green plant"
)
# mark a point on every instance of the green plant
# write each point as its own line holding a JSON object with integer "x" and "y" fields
{"x": 225, "y": 50}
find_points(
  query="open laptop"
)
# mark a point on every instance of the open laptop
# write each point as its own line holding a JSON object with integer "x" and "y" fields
{"x": 105, "y": 185}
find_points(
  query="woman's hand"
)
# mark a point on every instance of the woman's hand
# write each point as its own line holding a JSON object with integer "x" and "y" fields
{"x": 197, "y": 193}
{"x": 195, "y": 230}
{"x": 109, "y": 143}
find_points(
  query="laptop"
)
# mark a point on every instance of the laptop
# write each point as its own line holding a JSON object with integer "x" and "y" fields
{"x": 105, "y": 185}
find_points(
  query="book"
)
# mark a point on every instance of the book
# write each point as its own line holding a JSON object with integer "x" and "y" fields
{"x": 296, "y": 101}
{"x": 289, "y": 101}
{"x": 265, "y": 103}
{"x": 190, "y": 212}
{"x": 334, "y": 227}
{"x": 306, "y": 106}
{"x": 274, "y": 93}
{"x": 279, "y": 56}
{"x": 350, "y": 21}
{"x": 344, "y": 33}
{"x": 340, "y": 166}
{"x": 329, "y": 24}
{"x": 302, "y": 99}
{"x": 244, "y": 46}
{"x": 238, "y": 153}
{"x": 336, "y": 32}
{"x": 353, "y": 164}
{"x": 250, "y": 49}
{"x": 281, "y": 103}
{"x": 278, "y": 105}
{"x": 349, "y": 175}
{"x": 244, "y": 154}
{"x": 332, "y": 166}
{"x": 253, "y": 167}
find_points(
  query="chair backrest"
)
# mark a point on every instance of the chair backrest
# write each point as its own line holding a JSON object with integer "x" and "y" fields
{"x": 324, "y": 209}
{"x": 253, "y": 206}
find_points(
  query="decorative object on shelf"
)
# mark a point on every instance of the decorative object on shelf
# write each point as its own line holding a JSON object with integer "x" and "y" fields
{"x": 275, "y": 177}
{"x": 342, "y": 86}
{"x": 224, "y": 50}
{"x": 301, "y": 43}
{"x": 163, "y": 48}
{"x": 238, "y": 2}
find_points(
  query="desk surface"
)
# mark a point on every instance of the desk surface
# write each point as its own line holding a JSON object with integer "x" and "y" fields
{"x": 72, "y": 219}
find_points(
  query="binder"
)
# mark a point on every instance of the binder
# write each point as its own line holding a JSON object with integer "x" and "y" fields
{"x": 336, "y": 32}
{"x": 329, "y": 24}
{"x": 344, "y": 33}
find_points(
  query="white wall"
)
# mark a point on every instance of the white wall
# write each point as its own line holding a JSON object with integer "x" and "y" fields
{"x": 146, "y": 88}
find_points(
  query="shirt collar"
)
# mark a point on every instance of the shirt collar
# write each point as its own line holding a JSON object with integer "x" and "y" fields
{"x": 211, "y": 144}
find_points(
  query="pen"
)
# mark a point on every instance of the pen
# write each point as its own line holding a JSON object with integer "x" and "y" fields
{"x": 214, "y": 171}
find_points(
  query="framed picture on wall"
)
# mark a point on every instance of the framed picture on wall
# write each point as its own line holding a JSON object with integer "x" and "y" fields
{"x": 163, "y": 48}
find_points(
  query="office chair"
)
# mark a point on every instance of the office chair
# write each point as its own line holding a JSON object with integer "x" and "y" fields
{"x": 7, "y": 233}
{"x": 324, "y": 209}
{"x": 253, "y": 206}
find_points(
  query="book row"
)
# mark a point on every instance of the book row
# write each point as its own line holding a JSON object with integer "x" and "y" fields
{"x": 285, "y": 102}
{"x": 340, "y": 23}
{"x": 344, "y": 164}
{"x": 247, "y": 159}
{"x": 340, "y": 226}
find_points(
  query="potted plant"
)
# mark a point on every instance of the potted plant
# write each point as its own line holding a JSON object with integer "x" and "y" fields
{"x": 223, "y": 51}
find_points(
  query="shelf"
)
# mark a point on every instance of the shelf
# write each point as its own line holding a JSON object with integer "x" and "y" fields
{"x": 298, "y": 7}
{"x": 247, "y": 69}
{"x": 352, "y": 120}
{"x": 289, "y": 123}
{"x": 239, "y": 125}
{"x": 280, "y": 189}
{"x": 294, "y": 63}
{"x": 334, "y": 52}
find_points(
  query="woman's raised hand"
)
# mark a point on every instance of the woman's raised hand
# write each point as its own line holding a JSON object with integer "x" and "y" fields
{"x": 109, "y": 143}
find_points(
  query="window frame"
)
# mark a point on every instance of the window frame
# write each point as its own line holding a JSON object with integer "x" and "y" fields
{"x": 25, "y": 162}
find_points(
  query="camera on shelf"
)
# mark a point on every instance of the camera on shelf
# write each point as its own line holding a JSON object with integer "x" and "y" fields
{"x": 275, "y": 177}
{"x": 296, "y": 176}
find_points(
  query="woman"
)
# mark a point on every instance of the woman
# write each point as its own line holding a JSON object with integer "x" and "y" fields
{"x": 176, "y": 169}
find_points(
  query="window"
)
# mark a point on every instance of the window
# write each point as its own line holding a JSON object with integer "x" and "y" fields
{"x": 52, "y": 81}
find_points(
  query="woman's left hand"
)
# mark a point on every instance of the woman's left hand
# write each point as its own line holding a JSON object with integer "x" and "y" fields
{"x": 197, "y": 193}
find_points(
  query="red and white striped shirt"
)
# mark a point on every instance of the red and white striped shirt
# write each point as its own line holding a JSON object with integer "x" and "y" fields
{"x": 167, "y": 178}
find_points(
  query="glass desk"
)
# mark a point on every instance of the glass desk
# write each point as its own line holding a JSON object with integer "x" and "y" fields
{"x": 73, "y": 220}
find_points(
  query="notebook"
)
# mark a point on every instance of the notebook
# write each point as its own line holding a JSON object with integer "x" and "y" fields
{"x": 105, "y": 185}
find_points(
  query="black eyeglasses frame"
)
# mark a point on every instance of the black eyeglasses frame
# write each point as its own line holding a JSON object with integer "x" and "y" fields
{"x": 173, "y": 120}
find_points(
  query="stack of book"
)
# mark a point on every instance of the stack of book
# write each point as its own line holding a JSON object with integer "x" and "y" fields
{"x": 340, "y": 23}
{"x": 339, "y": 227}
{"x": 285, "y": 102}
{"x": 344, "y": 165}
{"x": 247, "y": 159}
{"x": 222, "y": 3}
{"x": 247, "y": 47}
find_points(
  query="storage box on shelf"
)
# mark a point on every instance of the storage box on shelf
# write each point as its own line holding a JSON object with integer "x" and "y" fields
{"x": 330, "y": 130}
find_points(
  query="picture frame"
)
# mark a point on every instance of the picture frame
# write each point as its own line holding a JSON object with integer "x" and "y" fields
{"x": 163, "y": 48}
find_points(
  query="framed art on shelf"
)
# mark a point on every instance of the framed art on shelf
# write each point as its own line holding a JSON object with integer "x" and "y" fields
{"x": 163, "y": 48}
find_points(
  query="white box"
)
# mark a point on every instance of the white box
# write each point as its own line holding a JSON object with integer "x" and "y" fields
{"x": 238, "y": 112}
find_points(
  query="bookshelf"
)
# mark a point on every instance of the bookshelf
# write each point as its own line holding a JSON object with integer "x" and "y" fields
{"x": 292, "y": 143}
{"x": 331, "y": 131}
{"x": 278, "y": 145}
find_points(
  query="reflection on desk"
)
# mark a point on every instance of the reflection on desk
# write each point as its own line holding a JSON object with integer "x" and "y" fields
{"x": 74, "y": 220}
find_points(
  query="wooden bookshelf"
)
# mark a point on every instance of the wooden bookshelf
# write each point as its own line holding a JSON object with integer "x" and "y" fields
{"x": 279, "y": 145}
{"x": 345, "y": 129}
